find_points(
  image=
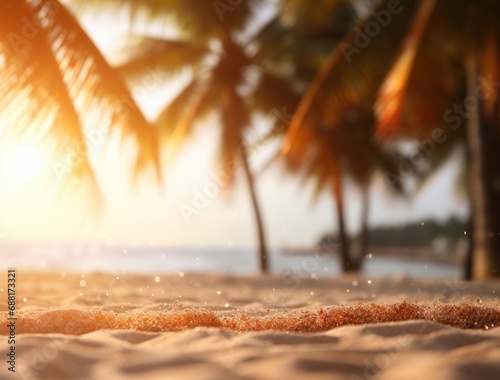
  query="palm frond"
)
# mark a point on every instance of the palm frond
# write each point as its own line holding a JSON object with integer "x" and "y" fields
{"x": 199, "y": 19}
{"x": 234, "y": 119}
{"x": 170, "y": 116}
{"x": 203, "y": 95}
{"x": 36, "y": 105}
{"x": 300, "y": 49}
{"x": 413, "y": 101}
{"x": 179, "y": 118}
{"x": 168, "y": 56}
{"x": 491, "y": 74}
{"x": 98, "y": 90}
{"x": 323, "y": 169}
{"x": 308, "y": 15}
{"x": 273, "y": 94}
{"x": 390, "y": 102}
{"x": 351, "y": 76}
{"x": 440, "y": 156}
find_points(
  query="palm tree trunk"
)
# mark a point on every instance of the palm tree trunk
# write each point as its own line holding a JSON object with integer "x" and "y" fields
{"x": 264, "y": 268}
{"x": 484, "y": 143}
{"x": 469, "y": 255}
{"x": 345, "y": 247}
{"x": 365, "y": 212}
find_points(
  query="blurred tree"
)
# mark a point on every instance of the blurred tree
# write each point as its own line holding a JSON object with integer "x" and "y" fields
{"x": 327, "y": 150}
{"x": 446, "y": 74}
{"x": 470, "y": 31}
{"x": 213, "y": 42}
{"x": 55, "y": 83}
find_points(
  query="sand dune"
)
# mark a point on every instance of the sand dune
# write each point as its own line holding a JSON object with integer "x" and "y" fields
{"x": 70, "y": 329}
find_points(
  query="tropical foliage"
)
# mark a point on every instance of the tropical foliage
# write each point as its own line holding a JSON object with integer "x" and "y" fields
{"x": 413, "y": 103}
{"x": 328, "y": 148}
{"x": 227, "y": 78}
{"x": 57, "y": 91}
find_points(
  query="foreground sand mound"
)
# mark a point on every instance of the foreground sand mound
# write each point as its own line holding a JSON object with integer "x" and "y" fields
{"x": 400, "y": 350}
{"x": 101, "y": 326}
{"x": 77, "y": 322}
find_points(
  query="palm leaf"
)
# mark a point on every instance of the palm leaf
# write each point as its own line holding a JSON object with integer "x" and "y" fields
{"x": 413, "y": 101}
{"x": 273, "y": 94}
{"x": 299, "y": 39}
{"x": 202, "y": 95}
{"x": 168, "y": 56}
{"x": 311, "y": 16}
{"x": 36, "y": 105}
{"x": 491, "y": 72}
{"x": 234, "y": 120}
{"x": 390, "y": 102}
{"x": 199, "y": 19}
{"x": 170, "y": 116}
{"x": 97, "y": 89}
{"x": 178, "y": 119}
{"x": 347, "y": 80}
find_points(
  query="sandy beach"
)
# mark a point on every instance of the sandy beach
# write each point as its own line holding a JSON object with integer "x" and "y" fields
{"x": 108, "y": 326}
{"x": 188, "y": 185}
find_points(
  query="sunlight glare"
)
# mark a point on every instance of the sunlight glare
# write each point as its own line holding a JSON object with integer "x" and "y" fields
{"x": 25, "y": 164}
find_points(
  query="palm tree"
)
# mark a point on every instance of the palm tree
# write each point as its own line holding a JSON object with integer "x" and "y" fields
{"x": 414, "y": 103}
{"x": 471, "y": 29}
{"x": 327, "y": 150}
{"x": 227, "y": 78}
{"x": 55, "y": 85}
{"x": 330, "y": 155}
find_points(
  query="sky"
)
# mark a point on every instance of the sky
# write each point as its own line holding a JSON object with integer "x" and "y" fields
{"x": 146, "y": 214}
{"x": 150, "y": 215}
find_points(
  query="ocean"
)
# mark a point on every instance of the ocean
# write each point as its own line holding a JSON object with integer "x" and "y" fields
{"x": 85, "y": 258}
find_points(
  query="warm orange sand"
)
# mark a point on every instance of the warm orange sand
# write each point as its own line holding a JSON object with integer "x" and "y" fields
{"x": 102, "y": 326}
{"x": 78, "y": 322}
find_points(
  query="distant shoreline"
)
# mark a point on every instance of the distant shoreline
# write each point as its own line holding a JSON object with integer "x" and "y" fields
{"x": 410, "y": 253}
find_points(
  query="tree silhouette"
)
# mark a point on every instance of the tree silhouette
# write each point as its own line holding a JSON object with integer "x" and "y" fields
{"x": 227, "y": 80}
{"x": 56, "y": 87}
{"x": 424, "y": 89}
{"x": 326, "y": 148}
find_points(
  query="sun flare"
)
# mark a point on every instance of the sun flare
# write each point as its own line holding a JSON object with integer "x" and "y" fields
{"x": 25, "y": 163}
